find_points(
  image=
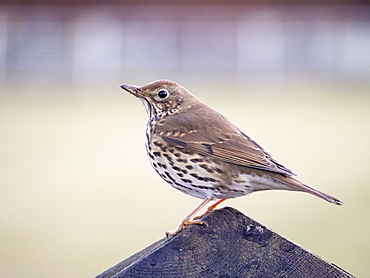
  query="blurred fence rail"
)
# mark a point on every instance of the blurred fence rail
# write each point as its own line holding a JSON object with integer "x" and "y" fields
{"x": 77, "y": 45}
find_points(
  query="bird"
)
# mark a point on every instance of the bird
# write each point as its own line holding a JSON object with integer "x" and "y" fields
{"x": 200, "y": 152}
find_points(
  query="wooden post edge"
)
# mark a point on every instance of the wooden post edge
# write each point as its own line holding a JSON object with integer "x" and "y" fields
{"x": 232, "y": 245}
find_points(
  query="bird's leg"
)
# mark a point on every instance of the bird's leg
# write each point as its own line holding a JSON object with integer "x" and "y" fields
{"x": 189, "y": 220}
{"x": 210, "y": 209}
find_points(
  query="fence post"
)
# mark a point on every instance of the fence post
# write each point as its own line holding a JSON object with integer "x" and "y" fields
{"x": 233, "y": 245}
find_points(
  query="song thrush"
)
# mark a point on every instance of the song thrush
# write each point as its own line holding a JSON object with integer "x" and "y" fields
{"x": 201, "y": 153}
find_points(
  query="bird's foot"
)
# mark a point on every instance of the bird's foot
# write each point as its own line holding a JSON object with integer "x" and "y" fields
{"x": 208, "y": 211}
{"x": 184, "y": 224}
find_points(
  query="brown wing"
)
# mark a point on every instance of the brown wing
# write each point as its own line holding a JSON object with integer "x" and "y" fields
{"x": 218, "y": 137}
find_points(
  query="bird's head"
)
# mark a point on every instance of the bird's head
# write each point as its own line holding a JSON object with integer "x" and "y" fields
{"x": 163, "y": 97}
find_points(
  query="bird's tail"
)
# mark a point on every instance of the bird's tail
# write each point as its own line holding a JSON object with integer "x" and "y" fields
{"x": 296, "y": 185}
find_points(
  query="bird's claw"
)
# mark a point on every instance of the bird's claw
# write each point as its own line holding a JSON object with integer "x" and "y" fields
{"x": 184, "y": 224}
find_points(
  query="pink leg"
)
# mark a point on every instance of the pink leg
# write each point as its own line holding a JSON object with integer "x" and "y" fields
{"x": 188, "y": 219}
{"x": 210, "y": 209}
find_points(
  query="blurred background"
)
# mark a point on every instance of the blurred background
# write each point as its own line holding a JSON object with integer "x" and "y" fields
{"x": 78, "y": 194}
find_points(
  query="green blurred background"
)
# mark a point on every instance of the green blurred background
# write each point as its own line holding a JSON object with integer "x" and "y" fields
{"x": 78, "y": 194}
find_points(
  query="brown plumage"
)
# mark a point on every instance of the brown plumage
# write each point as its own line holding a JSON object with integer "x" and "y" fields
{"x": 200, "y": 152}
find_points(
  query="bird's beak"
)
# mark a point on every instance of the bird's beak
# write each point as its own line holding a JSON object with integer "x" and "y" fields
{"x": 134, "y": 90}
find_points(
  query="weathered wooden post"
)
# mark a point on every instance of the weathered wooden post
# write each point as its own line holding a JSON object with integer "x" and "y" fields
{"x": 233, "y": 245}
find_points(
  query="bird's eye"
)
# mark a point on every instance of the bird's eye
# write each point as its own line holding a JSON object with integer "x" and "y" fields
{"x": 162, "y": 93}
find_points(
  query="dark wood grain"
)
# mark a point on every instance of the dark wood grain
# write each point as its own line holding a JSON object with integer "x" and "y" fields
{"x": 232, "y": 245}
